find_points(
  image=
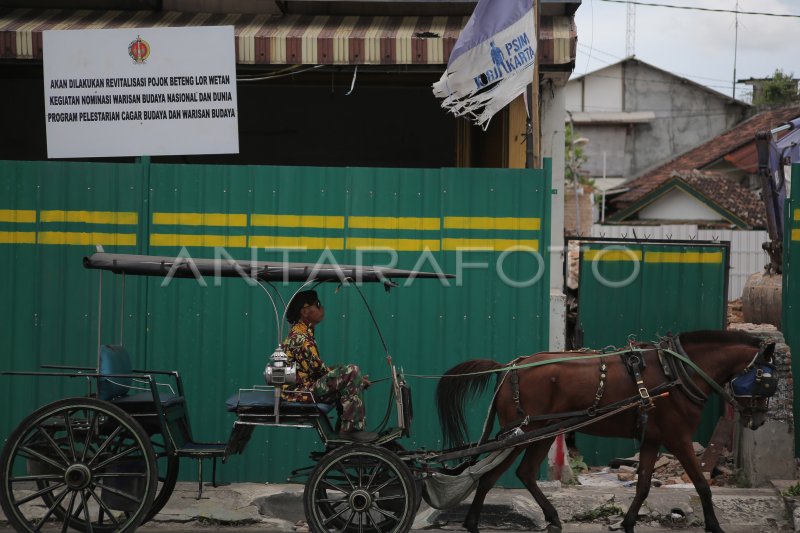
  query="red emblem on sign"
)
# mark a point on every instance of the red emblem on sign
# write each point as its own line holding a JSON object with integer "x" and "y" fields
{"x": 139, "y": 50}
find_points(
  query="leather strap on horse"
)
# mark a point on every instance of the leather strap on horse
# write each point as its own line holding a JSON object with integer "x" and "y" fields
{"x": 515, "y": 392}
{"x": 677, "y": 370}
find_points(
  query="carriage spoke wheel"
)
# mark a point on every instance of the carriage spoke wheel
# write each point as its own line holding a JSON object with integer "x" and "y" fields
{"x": 77, "y": 464}
{"x": 168, "y": 466}
{"x": 360, "y": 489}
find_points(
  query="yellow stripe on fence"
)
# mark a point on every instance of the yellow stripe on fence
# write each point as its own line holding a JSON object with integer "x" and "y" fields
{"x": 612, "y": 255}
{"x": 395, "y": 223}
{"x": 18, "y": 215}
{"x": 797, "y": 214}
{"x": 17, "y": 237}
{"x": 492, "y": 223}
{"x": 683, "y": 257}
{"x": 90, "y": 217}
{"x": 796, "y": 234}
{"x": 238, "y": 220}
{"x": 84, "y": 239}
{"x": 176, "y": 239}
{"x": 399, "y": 245}
{"x": 298, "y": 221}
{"x": 308, "y": 243}
{"x": 490, "y": 245}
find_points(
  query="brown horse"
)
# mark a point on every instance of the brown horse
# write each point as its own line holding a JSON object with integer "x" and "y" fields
{"x": 573, "y": 386}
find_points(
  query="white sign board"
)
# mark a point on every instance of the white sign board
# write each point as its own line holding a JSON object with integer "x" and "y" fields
{"x": 140, "y": 91}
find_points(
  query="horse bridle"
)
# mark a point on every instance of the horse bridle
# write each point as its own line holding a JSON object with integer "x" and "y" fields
{"x": 758, "y": 381}
{"x": 748, "y": 400}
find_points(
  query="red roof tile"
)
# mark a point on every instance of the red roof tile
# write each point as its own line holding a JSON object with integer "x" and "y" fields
{"x": 735, "y": 198}
{"x": 730, "y": 142}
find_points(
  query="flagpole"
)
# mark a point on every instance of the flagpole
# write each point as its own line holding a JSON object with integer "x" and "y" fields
{"x": 537, "y": 125}
{"x": 533, "y": 157}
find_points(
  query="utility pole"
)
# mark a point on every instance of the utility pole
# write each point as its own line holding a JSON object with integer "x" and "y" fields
{"x": 735, "y": 49}
{"x": 630, "y": 30}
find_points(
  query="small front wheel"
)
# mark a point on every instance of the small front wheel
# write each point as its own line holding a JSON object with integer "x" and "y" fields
{"x": 360, "y": 488}
{"x": 80, "y": 464}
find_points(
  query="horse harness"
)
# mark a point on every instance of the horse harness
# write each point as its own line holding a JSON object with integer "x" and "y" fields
{"x": 635, "y": 365}
{"x": 758, "y": 381}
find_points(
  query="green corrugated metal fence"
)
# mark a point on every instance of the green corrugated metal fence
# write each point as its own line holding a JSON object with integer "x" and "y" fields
{"x": 791, "y": 285}
{"x": 646, "y": 289}
{"x": 479, "y": 224}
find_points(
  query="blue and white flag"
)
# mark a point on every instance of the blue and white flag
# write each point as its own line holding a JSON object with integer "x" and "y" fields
{"x": 492, "y": 61}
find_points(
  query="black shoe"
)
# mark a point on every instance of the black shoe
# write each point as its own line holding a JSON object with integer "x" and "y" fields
{"x": 357, "y": 436}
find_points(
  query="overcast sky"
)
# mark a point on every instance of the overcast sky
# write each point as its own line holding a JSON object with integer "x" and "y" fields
{"x": 695, "y": 44}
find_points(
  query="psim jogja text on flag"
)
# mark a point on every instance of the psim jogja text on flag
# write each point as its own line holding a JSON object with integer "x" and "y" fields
{"x": 492, "y": 61}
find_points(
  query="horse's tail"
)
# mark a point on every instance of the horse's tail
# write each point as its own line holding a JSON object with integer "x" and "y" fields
{"x": 453, "y": 391}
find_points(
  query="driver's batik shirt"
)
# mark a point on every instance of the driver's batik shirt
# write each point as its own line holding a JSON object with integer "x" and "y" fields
{"x": 301, "y": 348}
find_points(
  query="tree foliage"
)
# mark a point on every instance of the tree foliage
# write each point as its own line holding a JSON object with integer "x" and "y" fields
{"x": 781, "y": 89}
{"x": 575, "y": 158}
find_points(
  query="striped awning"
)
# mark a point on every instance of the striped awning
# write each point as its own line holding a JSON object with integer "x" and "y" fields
{"x": 289, "y": 39}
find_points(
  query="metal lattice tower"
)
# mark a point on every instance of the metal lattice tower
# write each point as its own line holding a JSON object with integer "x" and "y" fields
{"x": 630, "y": 30}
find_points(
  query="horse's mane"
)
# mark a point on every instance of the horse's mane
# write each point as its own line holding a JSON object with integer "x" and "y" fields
{"x": 720, "y": 336}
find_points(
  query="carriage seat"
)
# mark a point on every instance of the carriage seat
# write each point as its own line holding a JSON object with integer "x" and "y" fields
{"x": 114, "y": 359}
{"x": 143, "y": 402}
{"x": 263, "y": 402}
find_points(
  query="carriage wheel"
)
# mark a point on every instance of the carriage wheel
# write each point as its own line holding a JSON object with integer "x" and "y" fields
{"x": 360, "y": 488}
{"x": 90, "y": 463}
{"x": 168, "y": 466}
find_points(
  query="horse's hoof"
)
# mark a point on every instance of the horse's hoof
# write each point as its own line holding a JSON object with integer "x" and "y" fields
{"x": 551, "y": 528}
{"x": 471, "y": 528}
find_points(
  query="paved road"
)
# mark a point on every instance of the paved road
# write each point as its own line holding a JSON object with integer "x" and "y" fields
{"x": 569, "y": 528}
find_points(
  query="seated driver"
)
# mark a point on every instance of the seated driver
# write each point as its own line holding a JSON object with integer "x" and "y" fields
{"x": 343, "y": 383}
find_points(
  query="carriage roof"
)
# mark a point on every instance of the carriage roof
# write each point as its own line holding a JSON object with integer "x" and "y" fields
{"x": 187, "y": 267}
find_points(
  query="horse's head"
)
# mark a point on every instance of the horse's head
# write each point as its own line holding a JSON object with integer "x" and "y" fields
{"x": 754, "y": 386}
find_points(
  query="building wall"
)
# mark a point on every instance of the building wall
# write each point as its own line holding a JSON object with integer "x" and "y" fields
{"x": 610, "y": 139}
{"x": 686, "y": 116}
{"x": 578, "y": 216}
{"x": 677, "y": 205}
{"x": 599, "y": 91}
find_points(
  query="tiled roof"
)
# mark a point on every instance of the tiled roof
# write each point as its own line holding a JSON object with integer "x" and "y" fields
{"x": 728, "y": 195}
{"x": 735, "y": 198}
{"x": 732, "y": 141}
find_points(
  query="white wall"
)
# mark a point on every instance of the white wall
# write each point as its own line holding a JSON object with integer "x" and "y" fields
{"x": 600, "y": 91}
{"x": 747, "y": 257}
{"x": 678, "y": 205}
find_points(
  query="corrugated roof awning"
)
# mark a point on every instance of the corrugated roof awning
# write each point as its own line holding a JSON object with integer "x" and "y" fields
{"x": 290, "y": 39}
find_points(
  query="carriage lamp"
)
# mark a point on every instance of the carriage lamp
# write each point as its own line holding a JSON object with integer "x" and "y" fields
{"x": 277, "y": 373}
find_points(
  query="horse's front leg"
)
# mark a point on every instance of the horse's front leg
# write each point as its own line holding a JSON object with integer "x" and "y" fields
{"x": 485, "y": 484}
{"x": 647, "y": 460}
{"x": 527, "y": 472}
{"x": 685, "y": 454}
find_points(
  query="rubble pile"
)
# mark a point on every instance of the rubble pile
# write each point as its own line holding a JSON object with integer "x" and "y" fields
{"x": 735, "y": 312}
{"x": 667, "y": 471}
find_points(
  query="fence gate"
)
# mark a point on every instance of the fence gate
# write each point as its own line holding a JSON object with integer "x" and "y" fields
{"x": 646, "y": 289}
{"x": 791, "y": 285}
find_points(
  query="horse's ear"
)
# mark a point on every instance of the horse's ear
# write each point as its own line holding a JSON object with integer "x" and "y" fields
{"x": 767, "y": 351}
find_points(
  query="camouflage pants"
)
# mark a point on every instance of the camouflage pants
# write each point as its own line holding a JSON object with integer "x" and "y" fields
{"x": 343, "y": 383}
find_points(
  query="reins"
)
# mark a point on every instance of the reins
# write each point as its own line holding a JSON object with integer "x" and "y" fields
{"x": 713, "y": 384}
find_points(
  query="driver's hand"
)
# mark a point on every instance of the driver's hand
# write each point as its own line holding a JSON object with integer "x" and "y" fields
{"x": 365, "y": 382}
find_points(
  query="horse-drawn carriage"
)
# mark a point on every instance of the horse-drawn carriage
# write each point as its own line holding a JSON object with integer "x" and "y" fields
{"x": 108, "y": 461}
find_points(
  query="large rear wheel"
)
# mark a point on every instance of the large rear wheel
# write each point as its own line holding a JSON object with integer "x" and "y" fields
{"x": 78, "y": 464}
{"x": 360, "y": 488}
{"x": 168, "y": 466}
